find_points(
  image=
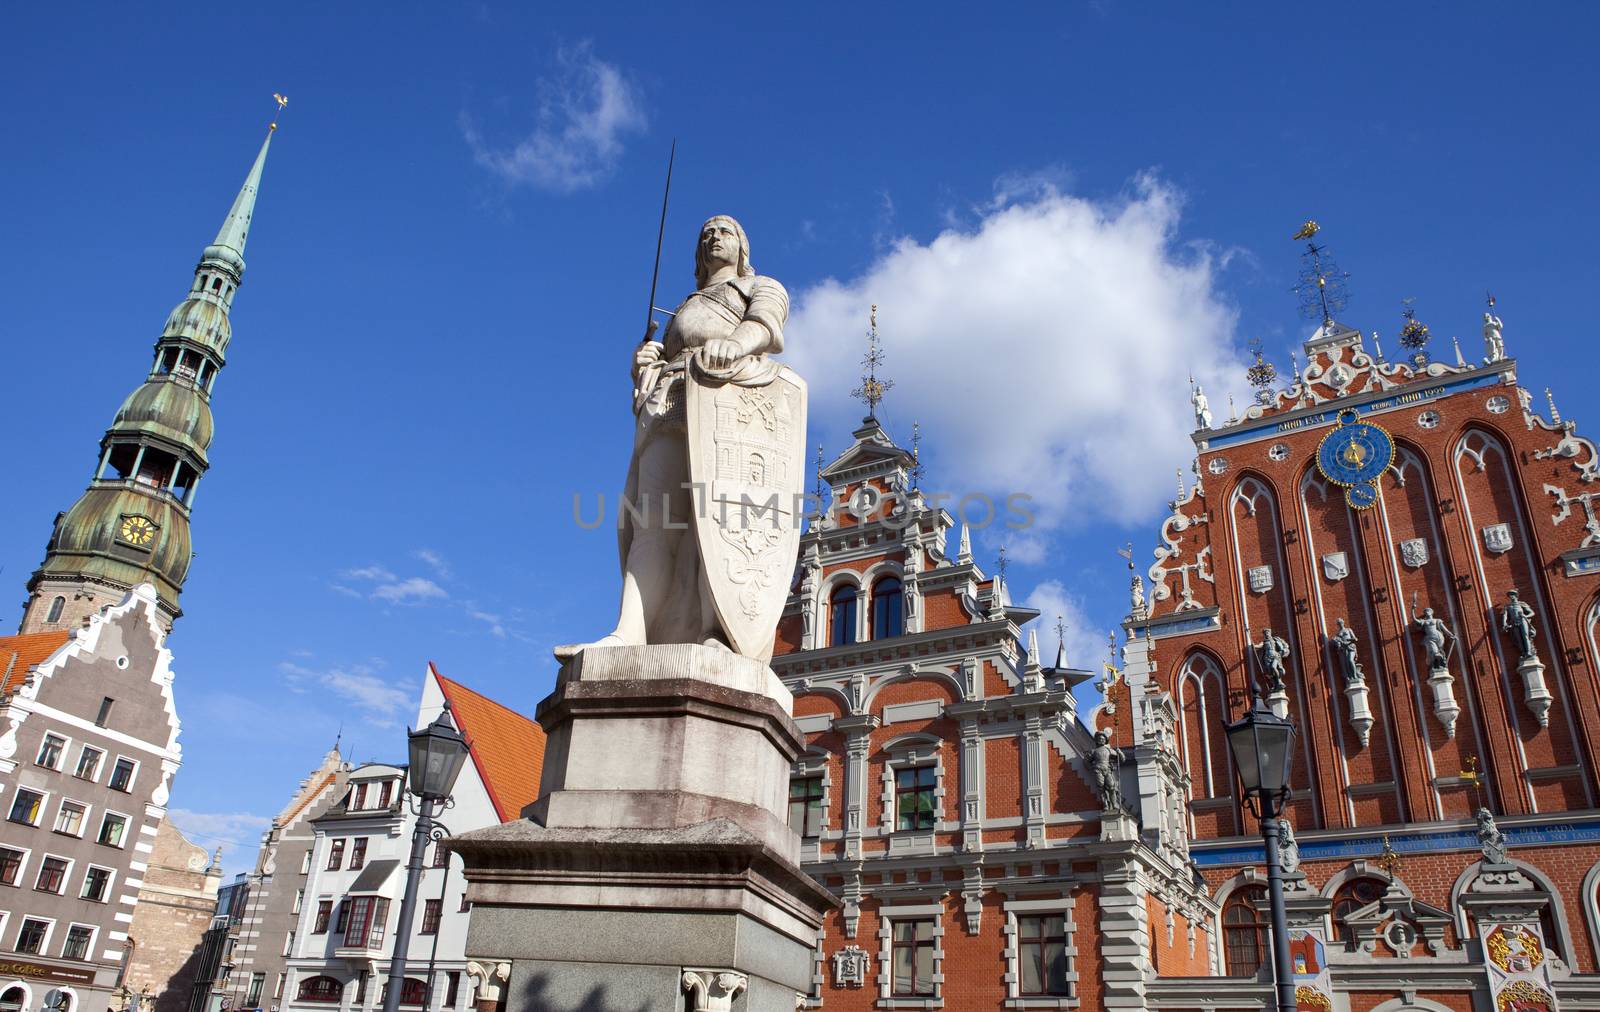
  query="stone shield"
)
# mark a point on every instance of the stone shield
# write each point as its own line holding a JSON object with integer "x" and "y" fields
{"x": 746, "y": 459}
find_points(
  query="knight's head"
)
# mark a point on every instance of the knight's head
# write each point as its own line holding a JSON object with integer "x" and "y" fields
{"x": 722, "y": 243}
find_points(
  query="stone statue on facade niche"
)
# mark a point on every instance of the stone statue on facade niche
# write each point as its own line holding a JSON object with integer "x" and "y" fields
{"x": 1437, "y": 639}
{"x": 707, "y": 531}
{"x": 1136, "y": 593}
{"x": 1494, "y": 343}
{"x": 1490, "y": 840}
{"x": 1346, "y": 645}
{"x": 1288, "y": 848}
{"x": 1517, "y": 619}
{"x": 1105, "y": 765}
{"x": 1271, "y": 652}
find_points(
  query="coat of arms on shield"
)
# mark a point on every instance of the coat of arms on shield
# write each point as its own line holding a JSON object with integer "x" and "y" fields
{"x": 747, "y": 517}
{"x": 1497, "y": 538}
{"x": 1260, "y": 578}
{"x": 850, "y": 966}
{"x": 1414, "y": 552}
{"x": 1335, "y": 566}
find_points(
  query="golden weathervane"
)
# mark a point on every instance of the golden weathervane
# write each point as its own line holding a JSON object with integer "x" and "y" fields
{"x": 282, "y": 101}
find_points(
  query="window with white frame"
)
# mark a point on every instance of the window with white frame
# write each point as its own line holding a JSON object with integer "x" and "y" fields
{"x": 913, "y": 788}
{"x": 123, "y": 774}
{"x": 305, "y": 863}
{"x": 51, "y": 750}
{"x": 1040, "y": 957}
{"x": 288, "y": 944}
{"x": 80, "y": 937}
{"x": 805, "y": 805}
{"x": 53, "y": 872}
{"x": 33, "y": 935}
{"x": 70, "y": 817}
{"x": 97, "y": 884}
{"x": 27, "y": 806}
{"x": 277, "y": 986}
{"x": 911, "y": 954}
{"x": 88, "y": 767}
{"x": 299, "y": 898}
{"x": 113, "y": 829}
{"x": 11, "y": 861}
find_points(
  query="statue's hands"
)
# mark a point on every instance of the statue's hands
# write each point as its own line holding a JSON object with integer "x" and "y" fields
{"x": 720, "y": 353}
{"x": 646, "y": 355}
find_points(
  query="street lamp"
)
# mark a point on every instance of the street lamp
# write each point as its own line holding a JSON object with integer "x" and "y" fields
{"x": 1262, "y": 743}
{"x": 437, "y": 753}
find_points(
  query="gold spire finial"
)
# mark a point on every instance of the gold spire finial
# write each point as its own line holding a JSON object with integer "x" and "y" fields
{"x": 872, "y": 389}
{"x": 282, "y": 101}
{"x": 1389, "y": 859}
{"x": 1309, "y": 229}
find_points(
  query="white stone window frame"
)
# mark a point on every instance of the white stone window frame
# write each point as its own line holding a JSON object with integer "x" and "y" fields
{"x": 843, "y": 577}
{"x": 88, "y": 950}
{"x": 99, "y": 768}
{"x": 127, "y": 829}
{"x": 44, "y": 805}
{"x": 871, "y": 576}
{"x": 1013, "y": 953}
{"x": 83, "y": 823}
{"x": 22, "y": 869}
{"x": 909, "y": 753}
{"x": 66, "y": 874}
{"x": 133, "y": 778}
{"x": 27, "y": 990}
{"x": 814, "y": 763}
{"x": 886, "y": 918}
{"x": 44, "y": 944}
{"x": 61, "y": 757}
{"x": 111, "y": 883}
{"x": 277, "y": 987}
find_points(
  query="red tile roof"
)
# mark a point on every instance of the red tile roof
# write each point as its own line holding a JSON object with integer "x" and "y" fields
{"x": 507, "y": 748}
{"x": 19, "y": 653}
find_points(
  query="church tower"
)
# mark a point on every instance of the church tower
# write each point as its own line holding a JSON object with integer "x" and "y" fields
{"x": 132, "y": 524}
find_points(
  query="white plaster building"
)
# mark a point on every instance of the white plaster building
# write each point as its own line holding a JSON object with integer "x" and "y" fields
{"x": 349, "y": 905}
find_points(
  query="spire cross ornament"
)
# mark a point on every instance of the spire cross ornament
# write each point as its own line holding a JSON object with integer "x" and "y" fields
{"x": 282, "y": 101}
{"x": 872, "y": 388}
{"x": 1061, "y": 636}
{"x": 1001, "y": 564}
{"x": 1321, "y": 284}
{"x": 818, "y": 489}
{"x": 915, "y": 474}
{"x": 1389, "y": 858}
{"x": 1261, "y": 374}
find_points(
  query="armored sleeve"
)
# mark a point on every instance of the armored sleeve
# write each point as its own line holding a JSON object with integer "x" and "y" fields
{"x": 768, "y": 306}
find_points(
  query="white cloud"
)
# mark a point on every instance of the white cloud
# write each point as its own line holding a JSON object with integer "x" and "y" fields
{"x": 417, "y": 588}
{"x": 434, "y": 561}
{"x": 496, "y": 625}
{"x": 1045, "y": 349}
{"x": 380, "y": 701}
{"x": 585, "y": 109}
{"x": 1086, "y": 645}
{"x": 373, "y": 572}
{"x": 236, "y": 833}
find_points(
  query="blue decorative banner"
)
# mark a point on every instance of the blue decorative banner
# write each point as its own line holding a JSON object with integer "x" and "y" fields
{"x": 1350, "y": 848}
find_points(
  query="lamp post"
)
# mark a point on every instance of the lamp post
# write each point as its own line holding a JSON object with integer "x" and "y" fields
{"x": 437, "y": 753}
{"x": 1262, "y": 742}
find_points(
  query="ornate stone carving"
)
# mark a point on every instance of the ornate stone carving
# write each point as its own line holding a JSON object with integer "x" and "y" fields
{"x": 1270, "y": 653}
{"x": 850, "y": 967}
{"x": 713, "y": 990}
{"x": 1288, "y": 848}
{"x": 1587, "y": 501}
{"x": 1105, "y": 767}
{"x": 1497, "y": 538}
{"x": 1516, "y": 619}
{"x": 1335, "y": 566}
{"x": 1438, "y": 641}
{"x": 1414, "y": 552}
{"x": 1490, "y": 840}
{"x": 1260, "y": 579}
{"x": 1494, "y": 343}
{"x": 1346, "y": 649}
{"x": 1202, "y": 408}
{"x": 709, "y": 531}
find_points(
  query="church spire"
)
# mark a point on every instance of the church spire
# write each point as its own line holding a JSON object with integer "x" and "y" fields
{"x": 132, "y": 524}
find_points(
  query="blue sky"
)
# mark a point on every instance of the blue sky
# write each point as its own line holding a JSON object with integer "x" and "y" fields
{"x": 1060, "y": 209}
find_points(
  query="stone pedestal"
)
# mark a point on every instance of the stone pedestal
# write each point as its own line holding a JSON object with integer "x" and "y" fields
{"x": 656, "y": 872}
{"x": 1534, "y": 692}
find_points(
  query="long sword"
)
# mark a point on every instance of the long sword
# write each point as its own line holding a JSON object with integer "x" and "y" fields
{"x": 650, "y": 310}
{"x": 649, "y": 375}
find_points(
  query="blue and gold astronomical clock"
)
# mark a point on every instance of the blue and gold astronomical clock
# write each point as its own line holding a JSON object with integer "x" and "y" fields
{"x": 1354, "y": 455}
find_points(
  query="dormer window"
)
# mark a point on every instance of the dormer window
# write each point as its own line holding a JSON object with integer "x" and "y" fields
{"x": 385, "y": 793}
{"x": 360, "y": 800}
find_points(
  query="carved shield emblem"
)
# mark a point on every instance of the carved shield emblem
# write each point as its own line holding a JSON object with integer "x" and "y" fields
{"x": 748, "y": 503}
{"x": 1497, "y": 538}
{"x": 1260, "y": 578}
{"x": 850, "y": 967}
{"x": 1335, "y": 566}
{"x": 1414, "y": 552}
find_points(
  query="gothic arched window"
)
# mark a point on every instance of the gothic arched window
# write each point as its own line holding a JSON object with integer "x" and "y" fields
{"x": 888, "y": 612}
{"x": 1352, "y": 896}
{"x": 1244, "y": 930}
{"x": 842, "y": 615}
{"x": 55, "y": 609}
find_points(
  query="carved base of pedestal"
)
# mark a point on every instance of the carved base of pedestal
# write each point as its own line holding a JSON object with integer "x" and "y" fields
{"x": 1445, "y": 706}
{"x": 1360, "y": 712}
{"x": 1535, "y": 694}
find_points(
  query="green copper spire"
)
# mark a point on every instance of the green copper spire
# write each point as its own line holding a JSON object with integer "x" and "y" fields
{"x": 132, "y": 524}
